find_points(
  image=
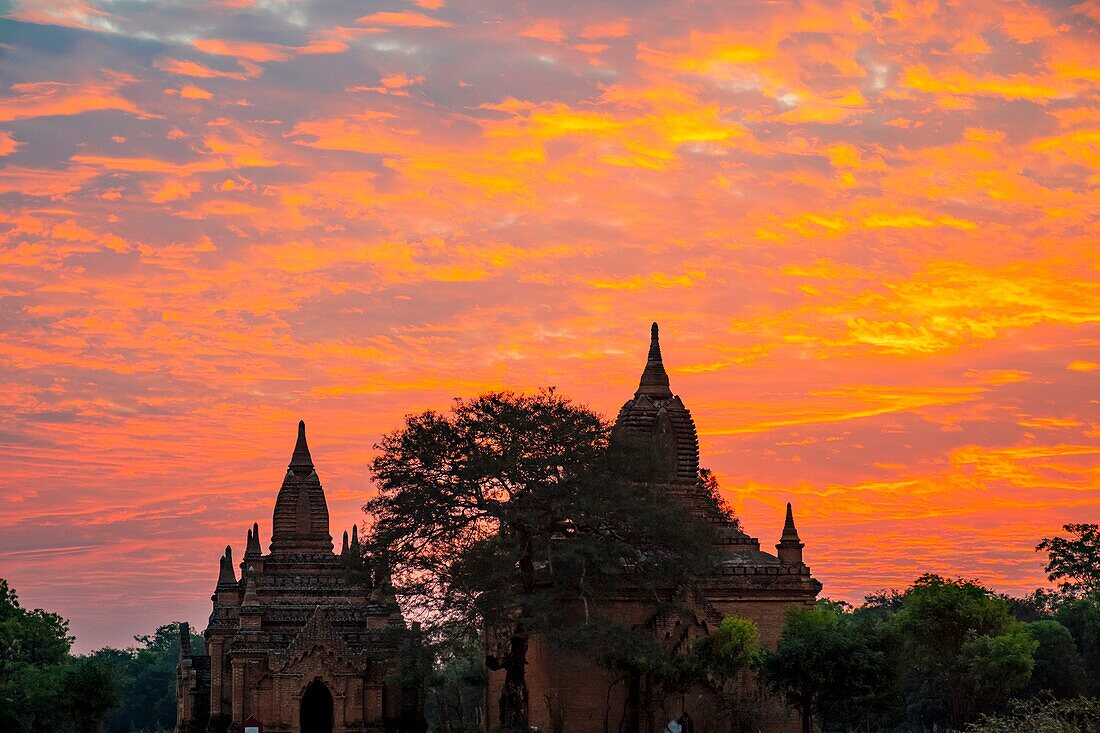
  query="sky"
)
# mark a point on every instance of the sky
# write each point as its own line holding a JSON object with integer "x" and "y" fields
{"x": 870, "y": 232}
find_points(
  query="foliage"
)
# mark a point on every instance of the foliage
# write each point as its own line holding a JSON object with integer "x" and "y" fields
{"x": 728, "y": 649}
{"x": 1058, "y": 670}
{"x": 34, "y": 650}
{"x": 147, "y": 679}
{"x": 509, "y": 514}
{"x": 455, "y": 688}
{"x": 1075, "y": 561}
{"x": 91, "y": 690}
{"x": 965, "y": 652}
{"x": 709, "y": 482}
{"x": 1080, "y": 715}
{"x": 43, "y": 688}
{"x": 1082, "y": 617}
{"x": 821, "y": 658}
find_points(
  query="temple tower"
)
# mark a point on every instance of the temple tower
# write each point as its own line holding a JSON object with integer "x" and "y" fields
{"x": 304, "y": 641}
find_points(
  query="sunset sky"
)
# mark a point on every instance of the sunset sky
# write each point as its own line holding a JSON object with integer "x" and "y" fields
{"x": 870, "y": 233}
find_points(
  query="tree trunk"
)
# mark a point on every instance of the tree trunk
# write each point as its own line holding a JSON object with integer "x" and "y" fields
{"x": 513, "y": 697}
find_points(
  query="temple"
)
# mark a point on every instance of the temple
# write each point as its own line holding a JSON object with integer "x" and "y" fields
{"x": 305, "y": 640}
{"x": 568, "y": 691}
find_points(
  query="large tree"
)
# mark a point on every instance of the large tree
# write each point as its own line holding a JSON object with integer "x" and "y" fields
{"x": 1074, "y": 561}
{"x": 34, "y": 652}
{"x": 146, "y": 675}
{"x": 509, "y": 514}
{"x": 43, "y": 688}
{"x": 964, "y": 652}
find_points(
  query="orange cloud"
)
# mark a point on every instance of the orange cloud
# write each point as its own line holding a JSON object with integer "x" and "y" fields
{"x": 402, "y": 20}
{"x": 48, "y": 98}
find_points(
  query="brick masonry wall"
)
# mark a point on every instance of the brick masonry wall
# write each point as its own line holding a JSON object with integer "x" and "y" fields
{"x": 581, "y": 687}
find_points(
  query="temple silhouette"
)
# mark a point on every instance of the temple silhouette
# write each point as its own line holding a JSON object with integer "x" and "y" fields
{"x": 309, "y": 641}
{"x": 305, "y": 640}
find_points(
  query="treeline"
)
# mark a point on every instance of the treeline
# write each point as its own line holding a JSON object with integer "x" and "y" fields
{"x": 44, "y": 688}
{"x": 943, "y": 654}
{"x": 939, "y": 655}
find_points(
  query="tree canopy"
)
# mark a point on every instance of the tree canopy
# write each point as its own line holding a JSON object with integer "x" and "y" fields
{"x": 1074, "y": 561}
{"x": 820, "y": 659}
{"x": 42, "y": 688}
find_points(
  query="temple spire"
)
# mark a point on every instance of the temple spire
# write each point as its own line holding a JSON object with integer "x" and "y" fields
{"x": 226, "y": 574}
{"x": 301, "y": 463}
{"x": 654, "y": 381}
{"x": 790, "y": 546}
{"x": 789, "y": 530}
{"x": 252, "y": 544}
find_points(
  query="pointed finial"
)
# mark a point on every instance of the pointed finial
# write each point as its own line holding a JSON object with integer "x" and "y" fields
{"x": 252, "y": 547}
{"x": 355, "y": 537}
{"x": 790, "y": 546}
{"x": 226, "y": 575}
{"x": 654, "y": 381}
{"x": 301, "y": 463}
{"x": 344, "y": 547}
{"x": 789, "y": 531}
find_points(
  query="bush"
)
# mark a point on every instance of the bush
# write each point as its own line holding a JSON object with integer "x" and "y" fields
{"x": 1081, "y": 715}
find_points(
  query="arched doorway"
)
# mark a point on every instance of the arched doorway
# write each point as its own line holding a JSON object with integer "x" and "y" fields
{"x": 316, "y": 711}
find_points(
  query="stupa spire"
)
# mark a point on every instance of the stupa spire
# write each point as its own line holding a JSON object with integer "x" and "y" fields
{"x": 654, "y": 381}
{"x": 789, "y": 530}
{"x": 790, "y": 546}
{"x": 252, "y": 544}
{"x": 301, "y": 463}
{"x": 226, "y": 575}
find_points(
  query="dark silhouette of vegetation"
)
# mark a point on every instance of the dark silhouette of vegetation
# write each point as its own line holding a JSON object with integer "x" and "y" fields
{"x": 1074, "y": 562}
{"x": 146, "y": 675}
{"x": 821, "y": 660}
{"x": 43, "y": 689}
{"x": 946, "y": 653}
{"x": 1079, "y": 715}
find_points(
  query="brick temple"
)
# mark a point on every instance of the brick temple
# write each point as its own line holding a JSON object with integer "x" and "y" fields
{"x": 568, "y": 692}
{"x": 306, "y": 640}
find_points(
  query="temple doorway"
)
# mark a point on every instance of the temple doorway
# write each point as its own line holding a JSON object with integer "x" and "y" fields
{"x": 316, "y": 712}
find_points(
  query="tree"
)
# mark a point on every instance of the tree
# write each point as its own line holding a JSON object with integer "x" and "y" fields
{"x": 456, "y": 686}
{"x": 723, "y": 655}
{"x": 1082, "y": 617}
{"x": 89, "y": 691}
{"x": 147, "y": 680}
{"x": 820, "y": 658}
{"x": 1058, "y": 670}
{"x": 964, "y": 651}
{"x": 34, "y": 652}
{"x": 1075, "y": 561}
{"x": 508, "y": 514}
